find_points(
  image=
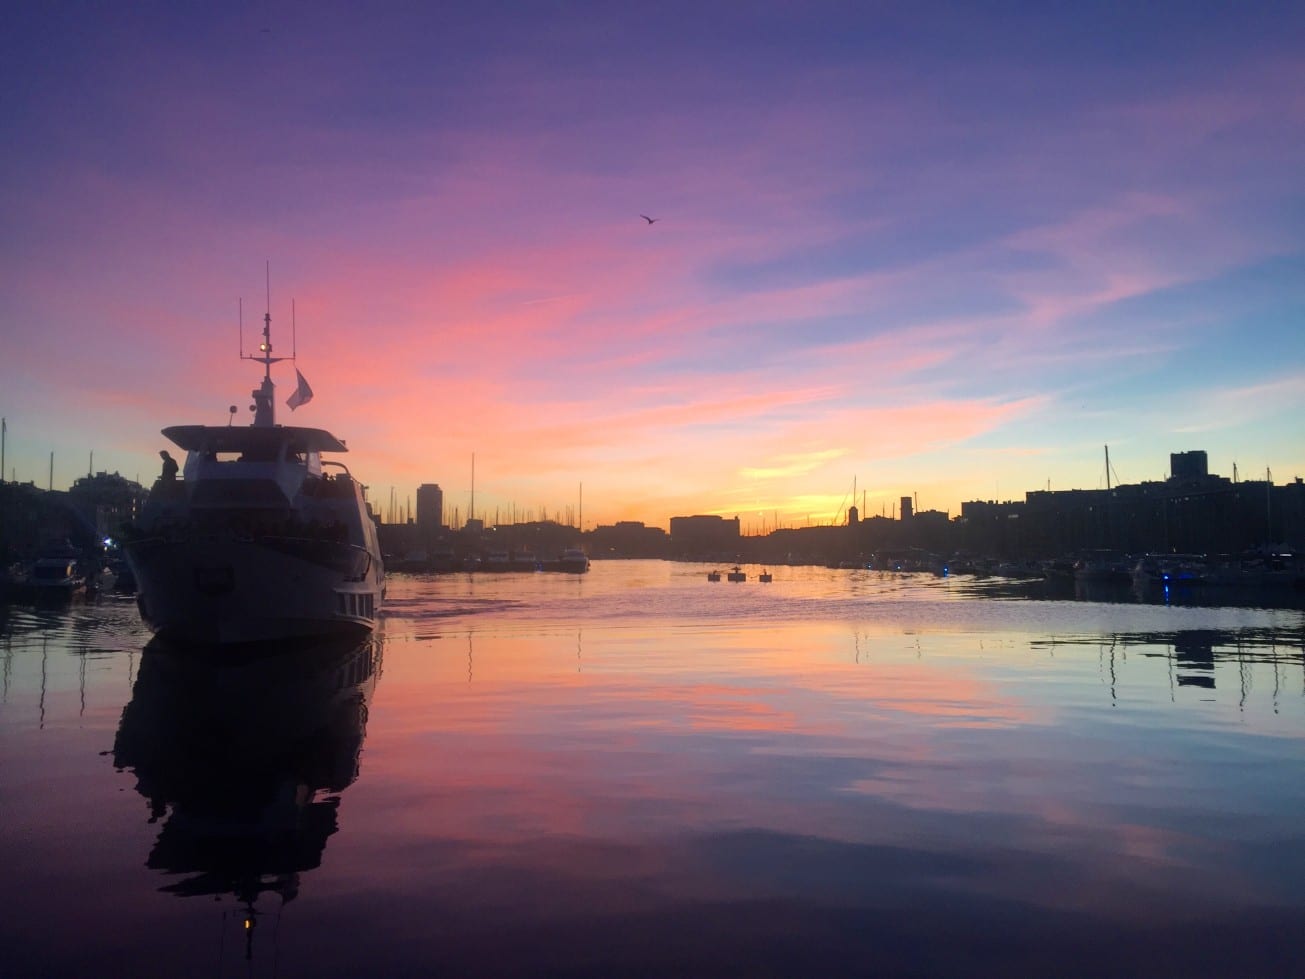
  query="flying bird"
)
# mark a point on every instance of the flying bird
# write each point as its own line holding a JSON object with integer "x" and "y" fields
{"x": 649, "y": 220}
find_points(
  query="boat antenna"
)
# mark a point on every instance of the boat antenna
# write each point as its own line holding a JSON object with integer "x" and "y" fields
{"x": 240, "y": 324}
{"x": 264, "y": 410}
{"x": 294, "y": 337}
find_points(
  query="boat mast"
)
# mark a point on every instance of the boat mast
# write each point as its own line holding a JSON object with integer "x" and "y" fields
{"x": 264, "y": 407}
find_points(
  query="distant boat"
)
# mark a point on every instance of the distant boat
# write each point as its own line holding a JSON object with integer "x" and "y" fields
{"x": 524, "y": 561}
{"x": 1102, "y": 566}
{"x": 713, "y": 576}
{"x": 259, "y": 540}
{"x": 736, "y": 575}
{"x": 573, "y": 560}
{"x": 764, "y": 577}
{"x": 413, "y": 561}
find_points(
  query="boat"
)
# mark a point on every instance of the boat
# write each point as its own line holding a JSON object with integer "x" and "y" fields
{"x": 1170, "y": 569}
{"x": 736, "y": 575}
{"x": 713, "y": 576}
{"x": 765, "y": 577}
{"x": 55, "y": 576}
{"x": 573, "y": 560}
{"x": 261, "y": 539}
{"x": 524, "y": 560}
{"x": 442, "y": 559}
{"x": 1103, "y": 566}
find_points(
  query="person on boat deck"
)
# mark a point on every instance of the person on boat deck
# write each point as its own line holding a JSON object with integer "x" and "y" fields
{"x": 169, "y": 465}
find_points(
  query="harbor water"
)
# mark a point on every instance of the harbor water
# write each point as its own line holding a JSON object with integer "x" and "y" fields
{"x": 638, "y": 772}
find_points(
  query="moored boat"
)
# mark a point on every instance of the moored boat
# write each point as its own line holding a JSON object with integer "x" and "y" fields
{"x": 524, "y": 560}
{"x": 573, "y": 560}
{"x": 261, "y": 538}
{"x": 55, "y": 576}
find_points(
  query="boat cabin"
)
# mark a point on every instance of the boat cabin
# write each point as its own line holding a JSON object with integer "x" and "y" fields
{"x": 253, "y": 467}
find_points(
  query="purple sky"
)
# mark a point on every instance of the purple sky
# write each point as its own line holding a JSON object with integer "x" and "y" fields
{"x": 944, "y": 250}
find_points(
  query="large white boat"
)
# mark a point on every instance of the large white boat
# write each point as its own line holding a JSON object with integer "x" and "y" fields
{"x": 261, "y": 538}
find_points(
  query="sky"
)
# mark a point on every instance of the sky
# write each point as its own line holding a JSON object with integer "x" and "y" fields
{"x": 950, "y": 251}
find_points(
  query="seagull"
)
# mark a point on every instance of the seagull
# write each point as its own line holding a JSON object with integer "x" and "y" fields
{"x": 649, "y": 220}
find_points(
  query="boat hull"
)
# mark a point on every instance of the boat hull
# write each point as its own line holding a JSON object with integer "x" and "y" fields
{"x": 218, "y": 591}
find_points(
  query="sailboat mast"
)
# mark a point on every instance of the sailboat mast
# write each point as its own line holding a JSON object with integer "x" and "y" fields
{"x": 1107, "y": 467}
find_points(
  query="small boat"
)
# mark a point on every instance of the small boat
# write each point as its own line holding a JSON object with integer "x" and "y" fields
{"x": 261, "y": 538}
{"x": 524, "y": 560}
{"x": 764, "y": 577}
{"x": 414, "y": 561}
{"x": 713, "y": 576}
{"x": 442, "y": 559}
{"x": 573, "y": 560}
{"x": 55, "y": 576}
{"x": 736, "y": 575}
{"x": 1102, "y": 567}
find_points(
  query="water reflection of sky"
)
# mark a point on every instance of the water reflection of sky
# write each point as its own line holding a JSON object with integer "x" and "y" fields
{"x": 677, "y": 791}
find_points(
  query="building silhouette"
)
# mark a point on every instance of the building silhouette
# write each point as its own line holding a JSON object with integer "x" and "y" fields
{"x": 1192, "y": 511}
{"x": 704, "y": 534}
{"x": 430, "y": 509}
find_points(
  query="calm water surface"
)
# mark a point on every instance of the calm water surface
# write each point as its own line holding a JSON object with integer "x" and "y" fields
{"x": 637, "y": 772}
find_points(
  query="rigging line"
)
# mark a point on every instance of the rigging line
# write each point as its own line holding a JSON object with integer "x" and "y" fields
{"x": 844, "y": 500}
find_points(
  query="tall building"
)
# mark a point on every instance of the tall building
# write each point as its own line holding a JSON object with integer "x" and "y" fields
{"x": 1188, "y": 465}
{"x": 430, "y": 508}
{"x": 908, "y": 508}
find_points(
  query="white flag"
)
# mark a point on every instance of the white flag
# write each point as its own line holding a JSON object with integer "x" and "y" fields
{"x": 303, "y": 393}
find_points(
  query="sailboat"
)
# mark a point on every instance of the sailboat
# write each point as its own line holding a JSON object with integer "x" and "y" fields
{"x": 260, "y": 538}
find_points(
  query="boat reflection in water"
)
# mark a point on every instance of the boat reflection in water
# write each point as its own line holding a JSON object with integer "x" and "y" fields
{"x": 243, "y": 760}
